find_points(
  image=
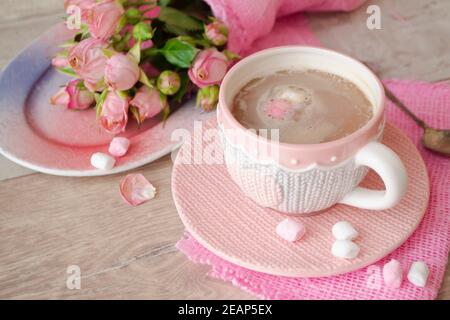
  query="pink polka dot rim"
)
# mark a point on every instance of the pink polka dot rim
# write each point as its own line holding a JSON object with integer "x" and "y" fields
{"x": 236, "y": 229}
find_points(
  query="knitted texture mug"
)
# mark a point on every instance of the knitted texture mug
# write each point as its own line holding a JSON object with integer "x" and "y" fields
{"x": 306, "y": 178}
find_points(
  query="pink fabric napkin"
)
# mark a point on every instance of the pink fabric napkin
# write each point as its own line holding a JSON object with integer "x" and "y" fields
{"x": 248, "y": 20}
{"x": 430, "y": 242}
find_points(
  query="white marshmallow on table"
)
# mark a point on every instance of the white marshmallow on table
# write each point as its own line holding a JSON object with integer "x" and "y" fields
{"x": 102, "y": 161}
{"x": 343, "y": 230}
{"x": 290, "y": 229}
{"x": 119, "y": 146}
{"x": 393, "y": 274}
{"x": 418, "y": 274}
{"x": 345, "y": 249}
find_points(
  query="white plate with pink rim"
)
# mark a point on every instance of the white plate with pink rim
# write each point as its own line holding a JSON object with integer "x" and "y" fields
{"x": 57, "y": 141}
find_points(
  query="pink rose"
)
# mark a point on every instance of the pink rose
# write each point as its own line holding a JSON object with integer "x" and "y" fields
{"x": 217, "y": 33}
{"x": 88, "y": 61}
{"x": 114, "y": 114}
{"x": 209, "y": 68}
{"x": 104, "y": 18}
{"x": 73, "y": 96}
{"x": 122, "y": 72}
{"x": 150, "y": 12}
{"x": 149, "y": 102}
{"x": 84, "y": 6}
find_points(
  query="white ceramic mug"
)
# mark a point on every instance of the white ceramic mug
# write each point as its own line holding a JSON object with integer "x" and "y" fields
{"x": 305, "y": 178}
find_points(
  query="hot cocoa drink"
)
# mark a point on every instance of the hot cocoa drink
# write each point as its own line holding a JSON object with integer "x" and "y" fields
{"x": 307, "y": 107}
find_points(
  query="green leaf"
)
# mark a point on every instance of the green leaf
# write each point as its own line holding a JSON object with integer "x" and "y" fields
{"x": 135, "y": 52}
{"x": 179, "y": 53}
{"x": 231, "y": 55}
{"x": 121, "y": 24}
{"x": 69, "y": 71}
{"x": 107, "y": 52}
{"x": 133, "y": 15}
{"x": 175, "y": 30}
{"x": 99, "y": 104}
{"x": 142, "y": 31}
{"x": 122, "y": 94}
{"x": 135, "y": 113}
{"x": 165, "y": 110}
{"x": 149, "y": 53}
{"x": 179, "y": 19}
{"x": 68, "y": 44}
{"x": 145, "y": 80}
{"x": 164, "y": 3}
{"x": 184, "y": 82}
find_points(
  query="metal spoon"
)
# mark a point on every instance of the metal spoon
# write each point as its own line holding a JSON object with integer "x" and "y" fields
{"x": 437, "y": 140}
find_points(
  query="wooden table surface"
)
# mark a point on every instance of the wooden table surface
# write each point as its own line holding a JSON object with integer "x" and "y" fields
{"x": 48, "y": 223}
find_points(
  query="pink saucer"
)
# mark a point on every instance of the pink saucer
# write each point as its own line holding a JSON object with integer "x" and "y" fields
{"x": 233, "y": 227}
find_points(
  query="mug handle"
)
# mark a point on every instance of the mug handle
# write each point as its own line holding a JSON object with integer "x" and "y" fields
{"x": 387, "y": 164}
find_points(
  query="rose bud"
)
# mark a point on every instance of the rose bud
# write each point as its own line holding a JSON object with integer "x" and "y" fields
{"x": 114, "y": 113}
{"x": 60, "y": 62}
{"x": 151, "y": 11}
{"x": 84, "y": 6}
{"x": 135, "y": 189}
{"x": 147, "y": 44}
{"x": 134, "y": 15}
{"x": 103, "y": 18}
{"x": 148, "y": 102}
{"x": 61, "y": 98}
{"x": 207, "y": 97}
{"x": 122, "y": 72}
{"x": 168, "y": 82}
{"x": 208, "y": 68}
{"x": 217, "y": 33}
{"x": 74, "y": 96}
{"x": 88, "y": 61}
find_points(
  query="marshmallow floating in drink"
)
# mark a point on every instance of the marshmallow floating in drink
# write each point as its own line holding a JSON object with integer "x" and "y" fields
{"x": 102, "y": 161}
{"x": 119, "y": 146}
{"x": 295, "y": 95}
{"x": 278, "y": 109}
{"x": 418, "y": 274}
{"x": 283, "y": 101}
{"x": 291, "y": 230}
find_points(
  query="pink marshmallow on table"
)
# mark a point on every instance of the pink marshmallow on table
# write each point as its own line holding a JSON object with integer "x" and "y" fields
{"x": 393, "y": 274}
{"x": 119, "y": 146}
{"x": 290, "y": 230}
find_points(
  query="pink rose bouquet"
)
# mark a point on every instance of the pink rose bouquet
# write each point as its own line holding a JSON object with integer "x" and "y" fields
{"x": 133, "y": 59}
